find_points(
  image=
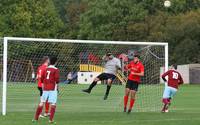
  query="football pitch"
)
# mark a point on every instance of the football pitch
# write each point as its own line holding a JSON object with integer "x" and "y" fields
{"x": 77, "y": 108}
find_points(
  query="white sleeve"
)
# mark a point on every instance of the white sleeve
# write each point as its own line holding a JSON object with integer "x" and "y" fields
{"x": 118, "y": 63}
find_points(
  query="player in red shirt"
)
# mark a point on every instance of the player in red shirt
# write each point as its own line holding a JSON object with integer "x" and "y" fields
{"x": 174, "y": 80}
{"x": 41, "y": 69}
{"x": 50, "y": 80}
{"x": 136, "y": 69}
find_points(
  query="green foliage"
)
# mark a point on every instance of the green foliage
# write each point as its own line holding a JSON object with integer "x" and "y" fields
{"x": 30, "y": 18}
{"x": 110, "y": 19}
{"x": 182, "y": 32}
{"x": 128, "y": 20}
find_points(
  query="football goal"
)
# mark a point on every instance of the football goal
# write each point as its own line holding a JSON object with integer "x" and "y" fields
{"x": 79, "y": 62}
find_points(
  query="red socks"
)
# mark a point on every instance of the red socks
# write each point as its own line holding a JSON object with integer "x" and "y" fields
{"x": 46, "y": 107}
{"x": 166, "y": 100}
{"x": 132, "y": 101}
{"x": 38, "y": 112}
{"x": 125, "y": 101}
{"x": 52, "y": 112}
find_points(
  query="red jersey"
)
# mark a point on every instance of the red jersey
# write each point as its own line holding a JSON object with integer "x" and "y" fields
{"x": 40, "y": 71}
{"x": 50, "y": 78}
{"x": 135, "y": 68}
{"x": 174, "y": 78}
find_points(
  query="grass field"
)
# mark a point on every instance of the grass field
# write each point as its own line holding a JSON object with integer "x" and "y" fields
{"x": 76, "y": 108}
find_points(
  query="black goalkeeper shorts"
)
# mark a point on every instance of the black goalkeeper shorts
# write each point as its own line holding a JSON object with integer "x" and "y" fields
{"x": 106, "y": 76}
{"x": 40, "y": 90}
{"x": 132, "y": 85}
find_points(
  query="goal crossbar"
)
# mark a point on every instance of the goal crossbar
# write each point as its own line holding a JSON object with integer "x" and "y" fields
{"x": 86, "y": 41}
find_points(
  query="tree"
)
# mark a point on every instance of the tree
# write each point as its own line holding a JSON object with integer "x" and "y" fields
{"x": 182, "y": 32}
{"x": 73, "y": 10}
{"x": 30, "y": 18}
{"x": 111, "y": 19}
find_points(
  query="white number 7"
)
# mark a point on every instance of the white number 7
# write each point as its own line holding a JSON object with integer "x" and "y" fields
{"x": 48, "y": 74}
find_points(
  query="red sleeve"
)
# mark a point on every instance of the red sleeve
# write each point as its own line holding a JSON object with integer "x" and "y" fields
{"x": 128, "y": 66}
{"x": 57, "y": 76}
{"x": 40, "y": 71}
{"x": 142, "y": 68}
{"x": 43, "y": 75}
{"x": 165, "y": 74}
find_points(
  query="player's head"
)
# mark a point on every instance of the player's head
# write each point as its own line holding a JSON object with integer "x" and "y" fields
{"x": 53, "y": 60}
{"x": 45, "y": 60}
{"x": 136, "y": 58}
{"x": 174, "y": 66}
{"x": 109, "y": 55}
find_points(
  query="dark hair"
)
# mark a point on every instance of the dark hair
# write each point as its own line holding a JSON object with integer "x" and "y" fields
{"x": 53, "y": 60}
{"x": 136, "y": 54}
{"x": 108, "y": 54}
{"x": 44, "y": 59}
{"x": 175, "y": 66}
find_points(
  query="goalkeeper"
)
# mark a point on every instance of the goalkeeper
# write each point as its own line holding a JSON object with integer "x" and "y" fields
{"x": 112, "y": 64}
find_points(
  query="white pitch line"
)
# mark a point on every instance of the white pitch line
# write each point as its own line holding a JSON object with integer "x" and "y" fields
{"x": 141, "y": 120}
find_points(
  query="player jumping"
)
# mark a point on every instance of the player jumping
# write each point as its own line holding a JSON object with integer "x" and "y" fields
{"x": 136, "y": 69}
{"x": 41, "y": 69}
{"x": 50, "y": 79}
{"x": 174, "y": 80}
{"x": 111, "y": 66}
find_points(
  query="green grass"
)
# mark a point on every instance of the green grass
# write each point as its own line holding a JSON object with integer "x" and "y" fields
{"x": 77, "y": 108}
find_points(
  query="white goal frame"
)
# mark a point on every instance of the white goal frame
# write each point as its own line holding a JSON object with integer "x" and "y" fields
{"x": 5, "y": 54}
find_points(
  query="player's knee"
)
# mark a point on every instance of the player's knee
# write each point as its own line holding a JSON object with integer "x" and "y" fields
{"x": 41, "y": 104}
{"x": 127, "y": 94}
{"x": 96, "y": 79}
{"x": 53, "y": 104}
{"x": 127, "y": 91}
{"x": 109, "y": 82}
{"x": 132, "y": 96}
{"x": 133, "y": 93}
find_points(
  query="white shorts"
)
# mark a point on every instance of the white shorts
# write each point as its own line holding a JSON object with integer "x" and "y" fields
{"x": 169, "y": 92}
{"x": 51, "y": 96}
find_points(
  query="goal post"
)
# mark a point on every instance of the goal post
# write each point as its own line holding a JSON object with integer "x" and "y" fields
{"x": 71, "y": 50}
{"x": 4, "y": 90}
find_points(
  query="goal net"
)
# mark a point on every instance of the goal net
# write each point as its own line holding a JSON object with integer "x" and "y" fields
{"x": 79, "y": 62}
